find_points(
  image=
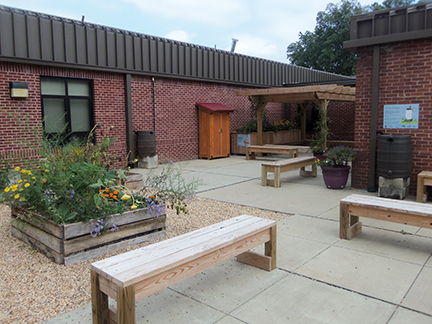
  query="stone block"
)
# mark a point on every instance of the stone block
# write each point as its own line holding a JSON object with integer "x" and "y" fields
{"x": 148, "y": 162}
{"x": 393, "y": 188}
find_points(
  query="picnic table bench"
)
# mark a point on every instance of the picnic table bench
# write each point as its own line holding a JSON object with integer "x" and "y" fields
{"x": 139, "y": 273}
{"x": 391, "y": 210}
{"x": 287, "y": 165}
{"x": 268, "y": 148}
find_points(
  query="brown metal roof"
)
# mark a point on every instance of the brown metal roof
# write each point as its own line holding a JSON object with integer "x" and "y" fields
{"x": 36, "y": 38}
{"x": 390, "y": 25}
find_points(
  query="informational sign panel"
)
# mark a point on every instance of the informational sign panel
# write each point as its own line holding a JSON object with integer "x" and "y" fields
{"x": 401, "y": 116}
{"x": 243, "y": 139}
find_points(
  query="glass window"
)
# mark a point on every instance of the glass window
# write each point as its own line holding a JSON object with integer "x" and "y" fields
{"x": 67, "y": 106}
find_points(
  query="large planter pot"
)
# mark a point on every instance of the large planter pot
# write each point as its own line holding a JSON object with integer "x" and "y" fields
{"x": 335, "y": 178}
{"x": 71, "y": 243}
{"x": 292, "y": 136}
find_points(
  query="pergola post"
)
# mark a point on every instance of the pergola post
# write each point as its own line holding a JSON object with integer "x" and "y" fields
{"x": 323, "y": 104}
{"x": 260, "y": 108}
{"x": 304, "y": 108}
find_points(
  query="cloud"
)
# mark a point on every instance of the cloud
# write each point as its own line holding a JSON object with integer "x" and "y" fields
{"x": 220, "y": 13}
{"x": 255, "y": 46}
{"x": 180, "y": 35}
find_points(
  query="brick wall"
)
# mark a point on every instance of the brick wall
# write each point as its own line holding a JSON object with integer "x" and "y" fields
{"x": 405, "y": 78}
{"x": 174, "y": 113}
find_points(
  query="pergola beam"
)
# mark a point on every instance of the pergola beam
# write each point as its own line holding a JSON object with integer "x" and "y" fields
{"x": 305, "y": 96}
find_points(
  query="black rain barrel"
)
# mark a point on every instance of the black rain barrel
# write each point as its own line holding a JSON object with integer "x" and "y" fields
{"x": 146, "y": 143}
{"x": 394, "y": 156}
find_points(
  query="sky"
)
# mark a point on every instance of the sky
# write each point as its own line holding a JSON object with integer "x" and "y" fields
{"x": 264, "y": 28}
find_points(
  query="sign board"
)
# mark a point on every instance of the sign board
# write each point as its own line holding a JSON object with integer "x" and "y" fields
{"x": 401, "y": 116}
{"x": 243, "y": 140}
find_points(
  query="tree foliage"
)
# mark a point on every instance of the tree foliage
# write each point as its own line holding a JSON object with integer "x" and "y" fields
{"x": 323, "y": 49}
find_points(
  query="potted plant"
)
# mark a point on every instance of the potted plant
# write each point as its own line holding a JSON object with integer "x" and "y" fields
{"x": 71, "y": 202}
{"x": 335, "y": 166}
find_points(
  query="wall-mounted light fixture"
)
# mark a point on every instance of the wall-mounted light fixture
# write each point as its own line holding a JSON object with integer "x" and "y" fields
{"x": 18, "y": 90}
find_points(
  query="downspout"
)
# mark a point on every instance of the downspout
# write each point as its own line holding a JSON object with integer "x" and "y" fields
{"x": 129, "y": 121}
{"x": 374, "y": 119}
{"x": 154, "y": 104}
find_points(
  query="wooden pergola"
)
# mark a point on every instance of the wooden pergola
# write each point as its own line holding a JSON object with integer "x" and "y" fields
{"x": 305, "y": 96}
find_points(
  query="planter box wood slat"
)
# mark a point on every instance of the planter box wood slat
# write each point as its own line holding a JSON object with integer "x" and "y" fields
{"x": 70, "y": 243}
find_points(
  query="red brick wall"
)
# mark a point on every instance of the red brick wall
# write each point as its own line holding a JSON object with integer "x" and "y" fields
{"x": 176, "y": 116}
{"x": 405, "y": 78}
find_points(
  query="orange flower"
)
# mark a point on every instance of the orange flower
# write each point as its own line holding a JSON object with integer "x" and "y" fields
{"x": 115, "y": 197}
{"x": 111, "y": 194}
{"x": 106, "y": 195}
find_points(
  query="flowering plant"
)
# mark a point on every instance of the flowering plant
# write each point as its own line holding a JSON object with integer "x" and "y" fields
{"x": 338, "y": 156}
{"x": 74, "y": 182}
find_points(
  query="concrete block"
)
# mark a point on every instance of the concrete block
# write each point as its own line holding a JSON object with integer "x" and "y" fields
{"x": 148, "y": 162}
{"x": 393, "y": 188}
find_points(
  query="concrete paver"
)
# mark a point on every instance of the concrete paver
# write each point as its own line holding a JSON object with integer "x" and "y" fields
{"x": 381, "y": 276}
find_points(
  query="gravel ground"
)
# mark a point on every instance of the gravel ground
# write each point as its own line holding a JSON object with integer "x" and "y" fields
{"x": 34, "y": 289}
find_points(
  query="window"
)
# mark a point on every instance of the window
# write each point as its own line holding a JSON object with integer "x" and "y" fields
{"x": 67, "y": 106}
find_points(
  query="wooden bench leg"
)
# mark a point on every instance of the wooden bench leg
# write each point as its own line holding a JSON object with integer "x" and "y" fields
{"x": 420, "y": 188}
{"x": 263, "y": 176}
{"x": 126, "y": 305}
{"x": 350, "y": 225}
{"x": 312, "y": 173}
{"x": 270, "y": 247}
{"x": 277, "y": 181}
{"x": 100, "y": 312}
{"x": 265, "y": 262}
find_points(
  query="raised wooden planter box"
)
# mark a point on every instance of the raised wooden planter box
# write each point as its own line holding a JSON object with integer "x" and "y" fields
{"x": 292, "y": 136}
{"x": 67, "y": 244}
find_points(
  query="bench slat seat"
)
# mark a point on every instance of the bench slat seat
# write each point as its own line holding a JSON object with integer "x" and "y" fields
{"x": 403, "y": 212}
{"x": 277, "y": 149}
{"x": 277, "y": 167}
{"x": 142, "y": 272}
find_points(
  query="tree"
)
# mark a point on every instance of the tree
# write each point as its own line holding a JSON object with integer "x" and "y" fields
{"x": 323, "y": 49}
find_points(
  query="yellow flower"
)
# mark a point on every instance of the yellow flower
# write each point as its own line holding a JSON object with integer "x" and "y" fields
{"x": 19, "y": 181}
{"x": 46, "y": 170}
{"x": 33, "y": 178}
{"x": 27, "y": 185}
{"x": 134, "y": 206}
{"x": 16, "y": 196}
{"x": 21, "y": 189}
{"x": 14, "y": 187}
{"x": 7, "y": 189}
{"x": 125, "y": 197}
{"x": 23, "y": 171}
{"x": 17, "y": 168}
{"x": 29, "y": 172}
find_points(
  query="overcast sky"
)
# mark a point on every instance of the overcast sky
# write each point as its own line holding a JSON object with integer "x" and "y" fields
{"x": 263, "y": 28}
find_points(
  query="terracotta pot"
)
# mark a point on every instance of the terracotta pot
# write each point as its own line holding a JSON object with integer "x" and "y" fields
{"x": 335, "y": 178}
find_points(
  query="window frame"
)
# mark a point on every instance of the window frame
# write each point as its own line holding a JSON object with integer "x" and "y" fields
{"x": 67, "y": 98}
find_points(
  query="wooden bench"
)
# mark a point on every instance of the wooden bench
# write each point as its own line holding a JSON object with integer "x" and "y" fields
{"x": 424, "y": 179}
{"x": 277, "y": 149}
{"x": 139, "y": 273}
{"x": 391, "y": 210}
{"x": 287, "y": 165}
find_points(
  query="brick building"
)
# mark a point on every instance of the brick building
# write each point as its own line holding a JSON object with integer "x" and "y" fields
{"x": 394, "y": 67}
{"x": 80, "y": 74}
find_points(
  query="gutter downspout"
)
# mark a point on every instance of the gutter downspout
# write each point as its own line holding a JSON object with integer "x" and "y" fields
{"x": 374, "y": 119}
{"x": 129, "y": 121}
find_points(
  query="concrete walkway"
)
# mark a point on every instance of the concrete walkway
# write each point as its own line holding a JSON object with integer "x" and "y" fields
{"x": 384, "y": 275}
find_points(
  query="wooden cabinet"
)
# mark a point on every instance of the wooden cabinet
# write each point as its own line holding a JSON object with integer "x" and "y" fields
{"x": 214, "y": 130}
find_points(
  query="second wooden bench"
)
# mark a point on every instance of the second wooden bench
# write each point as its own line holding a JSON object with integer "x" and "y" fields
{"x": 391, "y": 210}
{"x": 287, "y": 165}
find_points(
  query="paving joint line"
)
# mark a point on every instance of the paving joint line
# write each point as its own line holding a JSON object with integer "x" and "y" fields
{"x": 356, "y": 292}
